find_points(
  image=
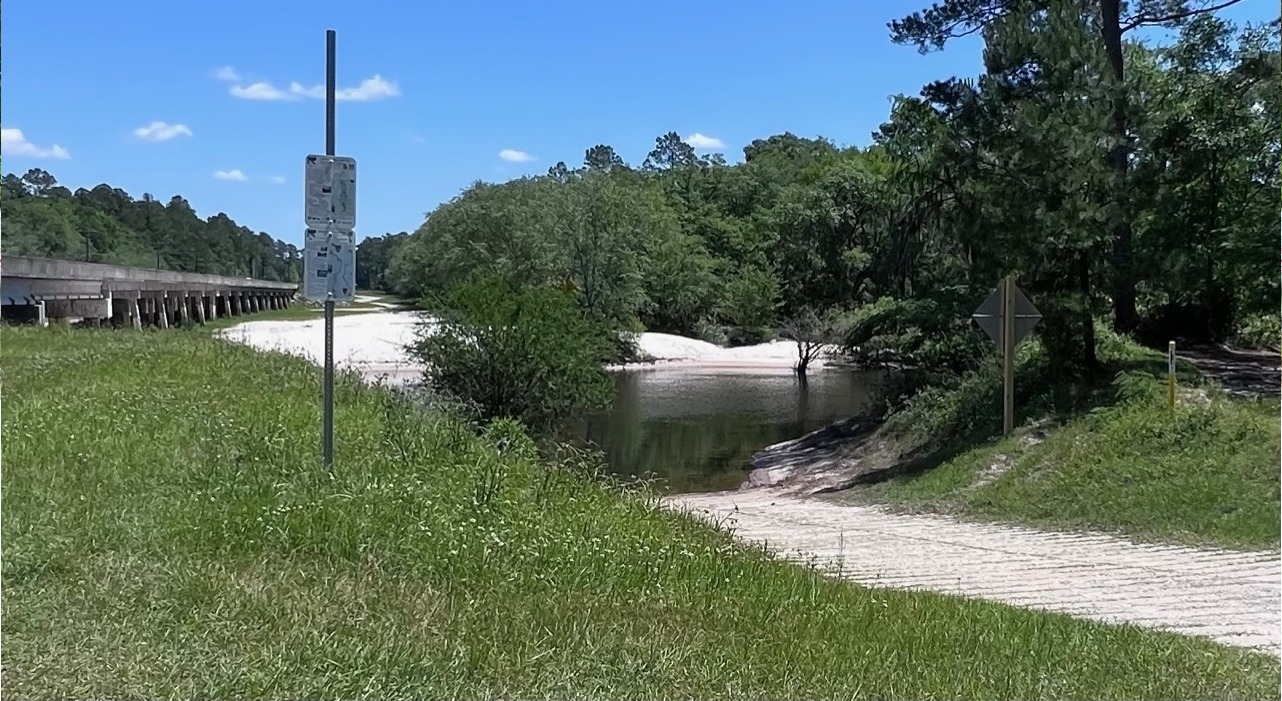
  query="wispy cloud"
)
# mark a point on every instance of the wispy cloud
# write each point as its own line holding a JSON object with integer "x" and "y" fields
{"x": 234, "y": 174}
{"x": 161, "y": 131}
{"x": 259, "y": 91}
{"x": 14, "y": 143}
{"x": 368, "y": 90}
{"x": 512, "y": 155}
{"x": 698, "y": 140}
{"x": 226, "y": 74}
{"x": 276, "y": 179}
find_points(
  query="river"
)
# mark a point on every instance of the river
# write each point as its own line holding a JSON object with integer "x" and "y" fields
{"x": 695, "y": 430}
{"x": 693, "y": 420}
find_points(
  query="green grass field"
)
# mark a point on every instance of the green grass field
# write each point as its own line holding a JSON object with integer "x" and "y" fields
{"x": 1203, "y": 474}
{"x": 169, "y": 533}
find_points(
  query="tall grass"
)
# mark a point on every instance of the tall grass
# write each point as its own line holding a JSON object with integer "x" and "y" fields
{"x": 170, "y": 533}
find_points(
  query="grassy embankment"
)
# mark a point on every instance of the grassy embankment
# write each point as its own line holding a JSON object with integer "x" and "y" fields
{"x": 168, "y": 532}
{"x": 1112, "y": 459}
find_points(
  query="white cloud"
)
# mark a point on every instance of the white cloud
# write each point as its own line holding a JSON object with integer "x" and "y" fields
{"x": 514, "y": 156}
{"x": 161, "y": 131}
{"x": 259, "y": 91}
{"x": 227, "y": 74}
{"x": 368, "y": 90}
{"x": 233, "y": 174}
{"x": 13, "y": 143}
{"x": 277, "y": 179}
{"x": 698, "y": 140}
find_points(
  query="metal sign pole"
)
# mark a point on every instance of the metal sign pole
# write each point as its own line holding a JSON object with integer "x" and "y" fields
{"x": 1008, "y": 355}
{"x": 327, "y": 425}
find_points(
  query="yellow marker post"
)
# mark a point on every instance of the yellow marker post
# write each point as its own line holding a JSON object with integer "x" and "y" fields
{"x": 1170, "y": 375}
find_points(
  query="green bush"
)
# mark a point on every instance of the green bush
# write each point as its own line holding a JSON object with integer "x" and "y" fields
{"x": 1259, "y": 331}
{"x": 921, "y": 333}
{"x": 527, "y": 355}
{"x": 748, "y": 336}
{"x": 707, "y": 330}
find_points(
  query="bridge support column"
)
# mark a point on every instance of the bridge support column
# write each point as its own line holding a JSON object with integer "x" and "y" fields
{"x": 119, "y": 314}
{"x": 240, "y": 304}
{"x": 163, "y": 304}
{"x": 184, "y": 309}
{"x": 135, "y": 316}
{"x": 33, "y": 313}
{"x": 197, "y": 303}
{"x": 211, "y": 307}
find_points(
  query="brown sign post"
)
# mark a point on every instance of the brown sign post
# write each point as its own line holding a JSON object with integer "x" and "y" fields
{"x": 1007, "y": 316}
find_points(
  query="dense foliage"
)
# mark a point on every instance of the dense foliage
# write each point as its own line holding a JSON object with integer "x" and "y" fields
{"x": 1145, "y": 196}
{"x": 527, "y": 355}
{"x": 106, "y": 225}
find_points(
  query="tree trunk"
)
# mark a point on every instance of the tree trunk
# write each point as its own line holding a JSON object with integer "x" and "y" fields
{"x": 1125, "y": 317}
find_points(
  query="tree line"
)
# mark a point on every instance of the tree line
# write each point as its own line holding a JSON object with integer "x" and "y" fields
{"x": 1128, "y": 183}
{"x": 106, "y": 225}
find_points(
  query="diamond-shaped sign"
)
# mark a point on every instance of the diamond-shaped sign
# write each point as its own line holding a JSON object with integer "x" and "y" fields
{"x": 989, "y": 315}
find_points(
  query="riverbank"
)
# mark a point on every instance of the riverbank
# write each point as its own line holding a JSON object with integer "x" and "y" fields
{"x": 1120, "y": 462}
{"x": 373, "y": 343}
{"x": 209, "y": 556}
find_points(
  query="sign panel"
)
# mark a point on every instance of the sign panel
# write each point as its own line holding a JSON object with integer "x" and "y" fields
{"x": 329, "y": 259}
{"x": 989, "y": 315}
{"x": 329, "y": 188}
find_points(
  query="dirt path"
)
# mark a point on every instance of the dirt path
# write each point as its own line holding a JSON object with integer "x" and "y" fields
{"x": 1231, "y": 597}
{"x": 1246, "y": 373}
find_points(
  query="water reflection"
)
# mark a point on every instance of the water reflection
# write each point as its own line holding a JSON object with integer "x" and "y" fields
{"x": 697, "y": 429}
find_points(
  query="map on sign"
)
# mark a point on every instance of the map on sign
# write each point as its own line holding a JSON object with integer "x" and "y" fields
{"x": 989, "y": 315}
{"x": 329, "y": 262}
{"x": 329, "y": 186}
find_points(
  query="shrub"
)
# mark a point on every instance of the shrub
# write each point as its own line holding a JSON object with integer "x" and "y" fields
{"x": 1259, "y": 331}
{"x": 528, "y": 355}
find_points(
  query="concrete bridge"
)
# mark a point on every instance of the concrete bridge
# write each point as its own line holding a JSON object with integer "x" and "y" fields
{"x": 39, "y": 289}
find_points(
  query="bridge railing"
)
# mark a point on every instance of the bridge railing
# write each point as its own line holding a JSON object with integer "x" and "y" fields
{"x": 53, "y": 269}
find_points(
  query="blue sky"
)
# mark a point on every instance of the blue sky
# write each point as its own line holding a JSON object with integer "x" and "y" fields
{"x": 171, "y": 99}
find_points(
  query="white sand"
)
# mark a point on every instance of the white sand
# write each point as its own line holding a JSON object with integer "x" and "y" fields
{"x": 374, "y": 344}
{"x": 669, "y": 350}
